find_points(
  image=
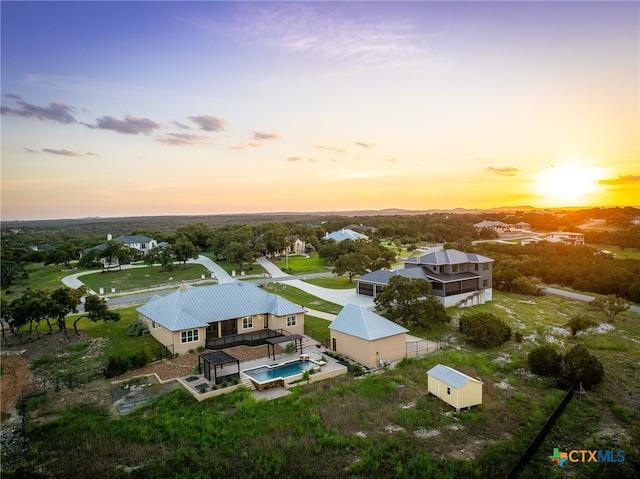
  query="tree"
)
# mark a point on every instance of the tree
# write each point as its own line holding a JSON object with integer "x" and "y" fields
{"x": 580, "y": 367}
{"x": 407, "y": 301}
{"x": 10, "y": 271}
{"x": 183, "y": 249}
{"x": 96, "y": 309}
{"x": 114, "y": 250}
{"x": 579, "y": 323}
{"x": 545, "y": 361}
{"x": 484, "y": 329}
{"x": 30, "y": 308}
{"x": 64, "y": 301}
{"x": 351, "y": 264}
{"x": 62, "y": 254}
{"x": 162, "y": 255}
{"x": 610, "y": 306}
{"x": 198, "y": 233}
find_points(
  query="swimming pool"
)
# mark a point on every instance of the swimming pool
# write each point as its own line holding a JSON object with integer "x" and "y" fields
{"x": 286, "y": 370}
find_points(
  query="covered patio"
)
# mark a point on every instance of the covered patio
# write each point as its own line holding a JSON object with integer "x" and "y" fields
{"x": 215, "y": 359}
{"x": 271, "y": 343}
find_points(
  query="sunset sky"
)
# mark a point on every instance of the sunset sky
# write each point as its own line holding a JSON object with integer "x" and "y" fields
{"x": 154, "y": 108}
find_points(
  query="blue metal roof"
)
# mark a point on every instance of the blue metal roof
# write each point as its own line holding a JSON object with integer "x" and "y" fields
{"x": 362, "y": 323}
{"x": 450, "y": 376}
{"x": 344, "y": 234}
{"x": 190, "y": 307}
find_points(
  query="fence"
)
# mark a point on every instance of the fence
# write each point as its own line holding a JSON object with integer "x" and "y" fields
{"x": 417, "y": 349}
{"x": 542, "y": 434}
{"x": 317, "y": 335}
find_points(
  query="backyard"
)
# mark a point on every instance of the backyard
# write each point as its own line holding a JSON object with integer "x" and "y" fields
{"x": 384, "y": 425}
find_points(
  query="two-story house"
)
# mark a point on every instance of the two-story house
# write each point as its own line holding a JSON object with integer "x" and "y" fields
{"x": 457, "y": 278}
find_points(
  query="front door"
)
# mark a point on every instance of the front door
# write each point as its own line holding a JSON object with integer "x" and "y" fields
{"x": 334, "y": 344}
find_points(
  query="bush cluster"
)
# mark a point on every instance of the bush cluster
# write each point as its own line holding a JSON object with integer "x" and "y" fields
{"x": 117, "y": 365}
{"x": 576, "y": 367}
{"x": 484, "y": 330}
{"x": 135, "y": 328}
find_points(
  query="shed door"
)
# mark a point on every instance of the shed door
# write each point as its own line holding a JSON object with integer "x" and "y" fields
{"x": 435, "y": 387}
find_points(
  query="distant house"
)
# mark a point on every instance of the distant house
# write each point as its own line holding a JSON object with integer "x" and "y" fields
{"x": 497, "y": 226}
{"x": 344, "y": 234}
{"x": 457, "y": 278}
{"x": 523, "y": 226}
{"x": 140, "y": 243}
{"x": 565, "y": 237}
{"x": 367, "y": 337}
{"x": 297, "y": 246}
{"x": 453, "y": 387}
{"x": 361, "y": 228}
{"x": 218, "y": 316}
{"x": 636, "y": 221}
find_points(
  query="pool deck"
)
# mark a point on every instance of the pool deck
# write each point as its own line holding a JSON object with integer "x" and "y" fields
{"x": 330, "y": 369}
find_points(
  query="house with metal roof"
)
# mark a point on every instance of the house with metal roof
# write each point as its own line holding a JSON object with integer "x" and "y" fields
{"x": 366, "y": 337}
{"x": 457, "y": 278}
{"x": 497, "y": 226}
{"x": 453, "y": 387}
{"x": 345, "y": 234}
{"x": 219, "y": 316}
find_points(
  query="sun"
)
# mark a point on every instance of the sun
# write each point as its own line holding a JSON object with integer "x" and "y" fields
{"x": 570, "y": 183}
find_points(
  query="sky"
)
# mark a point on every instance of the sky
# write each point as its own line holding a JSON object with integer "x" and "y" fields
{"x": 188, "y": 108}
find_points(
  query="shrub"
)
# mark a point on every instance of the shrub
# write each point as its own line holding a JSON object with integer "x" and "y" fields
{"x": 289, "y": 348}
{"x": 580, "y": 323}
{"x": 115, "y": 366}
{"x": 138, "y": 360}
{"x": 484, "y": 329}
{"x": 135, "y": 328}
{"x": 579, "y": 366}
{"x": 518, "y": 336}
{"x": 526, "y": 286}
{"x": 545, "y": 361}
{"x": 356, "y": 370}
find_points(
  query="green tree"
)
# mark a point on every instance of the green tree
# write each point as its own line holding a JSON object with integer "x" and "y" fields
{"x": 198, "y": 233}
{"x": 545, "y": 361}
{"x": 114, "y": 251}
{"x": 407, "y": 301}
{"x": 64, "y": 301}
{"x": 580, "y": 367}
{"x": 162, "y": 255}
{"x": 11, "y": 271}
{"x": 484, "y": 329}
{"x": 62, "y": 254}
{"x": 351, "y": 264}
{"x": 96, "y": 309}
{"x": 579, "y": 323}
{"x": 184, "y": 249}
{"x": 610, "y": 306}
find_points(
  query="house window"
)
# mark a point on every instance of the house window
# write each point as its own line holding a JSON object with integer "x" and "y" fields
{"x": 476, "y": 267}
{"x": 291, "y": 320}
{"x": 154, "y": 325}
{"x": 247, "y": 322}
{"x": 442, "y": 269}
{"x": 485, "y": 267}
{"x": 189, "y": 336}
{"x": 266, "y": 321}
{"x": 485, "y": 283}
{"x": 448, "y": 390}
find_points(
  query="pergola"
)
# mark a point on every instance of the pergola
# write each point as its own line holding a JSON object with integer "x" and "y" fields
{"x": 271, "y": 343}
{"x": 215, "y": 358}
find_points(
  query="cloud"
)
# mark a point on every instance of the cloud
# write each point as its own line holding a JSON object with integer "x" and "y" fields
{"x": 30, "y": 150}
{"x": 182, "y": 126}
{"x": 209, "y": 123}
{"x": 507, "y": 171}
{"x": 130, "y": 125}
{"x": 293, "y": 158}
{"x": 90, "y": 153}
{"x": 61, "y": 152}
{"x": 364, "y": 145}
{"x": 251, "y": 144}
{"x": 258, "y": 136}
{"x": 330, "y": 148}
{"x": 56, "y": 111}
{"x": 390, "y": 160}
{"x": 304, "y": 27}
{"x": 621, "y": 180}
{"x": 181, "y": 139}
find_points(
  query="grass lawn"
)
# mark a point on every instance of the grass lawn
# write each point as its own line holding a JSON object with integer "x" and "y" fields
{"x": 303, "y": 265}
{"x": 119, "y": 344}
{"x": 621, "y": 253}
{"x": 303, "y": 298}
{"x": 40, "y": 276}
{"x": 332, "y": 282}
{"x": 147, "y": 277}
{"x": 317, "y": 328}
{"x": 231, "y": 267}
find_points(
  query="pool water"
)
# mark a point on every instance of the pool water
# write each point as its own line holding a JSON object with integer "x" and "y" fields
{"x": 285, "y": 370}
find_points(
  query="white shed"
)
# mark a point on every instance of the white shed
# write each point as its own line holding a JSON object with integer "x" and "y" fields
{"x": 453, "y": 387}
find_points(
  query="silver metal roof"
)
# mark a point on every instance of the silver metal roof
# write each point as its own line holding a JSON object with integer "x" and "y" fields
{"x": 449, "y": 256}
{"x": 450, "y": 376}
{"x": 344, "y": 234}
{"x": 362, "y": 323}
{"x": 190, "y": 307}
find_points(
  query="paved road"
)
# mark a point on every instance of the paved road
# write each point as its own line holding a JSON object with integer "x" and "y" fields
{"x": 581, "y": 297}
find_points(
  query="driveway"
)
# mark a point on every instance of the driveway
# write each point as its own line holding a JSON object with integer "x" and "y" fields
{"x": 338, "y": 296}
{"x": 581, "y": 297}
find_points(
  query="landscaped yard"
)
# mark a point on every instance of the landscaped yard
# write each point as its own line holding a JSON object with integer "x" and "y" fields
{"x": 140, "y": 278}
{"x": 332, "y": 282}
{"x": 303, "y": 298}
{"x": 40, "y": 276}
{"x": 302, "y": 264}
{"x": 229, "y": 267}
